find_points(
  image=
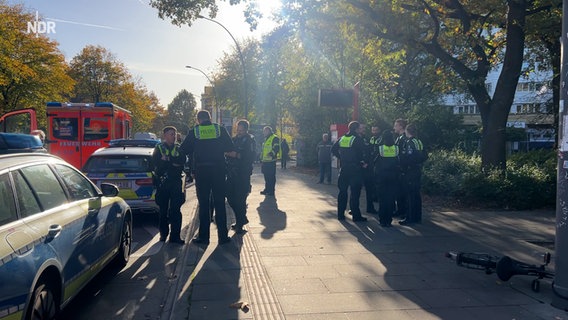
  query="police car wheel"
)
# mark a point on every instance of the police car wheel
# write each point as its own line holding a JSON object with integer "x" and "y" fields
{"x": 44, "y": 303}
{"x": 125, "y": 246}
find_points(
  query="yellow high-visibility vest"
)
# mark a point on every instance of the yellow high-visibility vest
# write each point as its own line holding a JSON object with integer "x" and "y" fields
{"x": 346, "y": 142}
{"x": 388, "y": 151}
{"x": 207, "y": 132}
{"x": 267, "y": 148}
{"x": 167, "y": 152}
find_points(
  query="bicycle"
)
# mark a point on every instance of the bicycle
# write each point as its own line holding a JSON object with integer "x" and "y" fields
{"x": 504, "y": 266}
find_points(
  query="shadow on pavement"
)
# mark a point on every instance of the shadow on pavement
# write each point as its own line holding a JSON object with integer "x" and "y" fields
{"x": 366, "y": 271}
{"x": 272, "y": 218}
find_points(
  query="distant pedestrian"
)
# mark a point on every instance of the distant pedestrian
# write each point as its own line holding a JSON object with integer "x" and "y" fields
{"x": 412, "y": 157}
{"x": 285, "y": 153}
{"x": 239, "y": 170}
{"x": 268, "y": 157}
{"x": 168, "y": 163}
{"x": 207, "y": 144}
{"x": 386, "y": 166}
{"x": 399, "y": 128}
{"x": 323, "y": 149}
{"x": 350, "y": 150}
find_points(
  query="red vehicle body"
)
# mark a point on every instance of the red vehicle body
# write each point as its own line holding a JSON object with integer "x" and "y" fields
{"x": 76, "y": 130}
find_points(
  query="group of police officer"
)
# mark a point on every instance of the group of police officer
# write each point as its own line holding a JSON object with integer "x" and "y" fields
{"x": 389, "y": 165}
{"x": 389, "y": 168}
{"x": 221, "y": 167}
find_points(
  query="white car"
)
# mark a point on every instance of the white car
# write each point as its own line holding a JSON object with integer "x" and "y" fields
{"x": 57, "y": 231}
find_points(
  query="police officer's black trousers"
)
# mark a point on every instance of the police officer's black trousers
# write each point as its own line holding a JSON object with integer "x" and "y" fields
{"x": 269, "y": 171}
{"x": 238, "y": 188}
{"x": 370, "y": 189}
{"x": 400, "y": 196}
{"x": 413, "y": 179}
{"x": 350, "y": 179}
{"x": 170, "y": 197}
{"x": 210, "y": 181}
{"x": 387, "y": 196}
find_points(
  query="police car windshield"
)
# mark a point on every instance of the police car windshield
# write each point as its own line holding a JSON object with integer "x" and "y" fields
{"x": 118, "y": 164}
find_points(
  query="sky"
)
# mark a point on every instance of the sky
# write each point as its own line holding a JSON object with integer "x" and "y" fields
{"x": 154, "y": 50}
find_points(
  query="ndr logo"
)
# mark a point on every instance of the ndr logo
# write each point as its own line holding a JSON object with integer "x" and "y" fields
{"x": 38, "y": 26}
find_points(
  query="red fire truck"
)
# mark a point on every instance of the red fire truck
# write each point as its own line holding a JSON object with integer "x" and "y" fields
{"x": 76, "y": 130}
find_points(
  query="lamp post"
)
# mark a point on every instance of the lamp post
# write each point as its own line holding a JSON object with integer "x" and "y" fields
{"x": 214, "y": 104}
{"x": 240, "y": 57}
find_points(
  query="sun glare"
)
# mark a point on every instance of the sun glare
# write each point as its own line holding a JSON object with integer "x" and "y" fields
{"x": 267, "y": 8}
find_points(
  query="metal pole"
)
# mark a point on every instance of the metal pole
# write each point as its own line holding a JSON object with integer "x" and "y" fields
{"x": 560, "y": 284}
{"x": 240, "y": 57}
{"x": 214, "y": 104}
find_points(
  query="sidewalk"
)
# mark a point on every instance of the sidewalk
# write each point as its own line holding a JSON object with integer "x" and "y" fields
{"x": 297, "y": 261}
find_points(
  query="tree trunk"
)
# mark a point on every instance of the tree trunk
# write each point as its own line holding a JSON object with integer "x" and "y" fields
{"x": 493, "y": 142}
{"x": 493, "y": 151}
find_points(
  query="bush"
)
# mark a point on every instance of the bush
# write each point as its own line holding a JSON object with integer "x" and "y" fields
{"x": 528, "y": 183}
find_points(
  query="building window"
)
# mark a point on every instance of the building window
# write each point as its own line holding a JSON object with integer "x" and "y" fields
{"x": 468, "y": 109}
{"x": 530, "y": 86}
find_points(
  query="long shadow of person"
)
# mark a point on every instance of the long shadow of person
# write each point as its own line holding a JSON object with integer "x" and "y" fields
{"x": 272, "y": 218}
{"x": 217, "y": 286}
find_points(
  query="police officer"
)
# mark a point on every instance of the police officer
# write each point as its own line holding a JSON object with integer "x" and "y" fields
{"x": 399, "y": 128}
{"x": 206, "y": 144}
{"x": 386, "y": 172}
{"x": 411, "y": 159}
{"x": 239, "y": 170}
{"x": 268, "y": 157}
{"x": 369, "y": 178}
{"x": 168, "y": 168}
{"x": 350, "y": 150}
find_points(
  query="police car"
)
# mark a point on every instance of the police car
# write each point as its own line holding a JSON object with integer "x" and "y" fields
{"x": 128, "y": 165}
{"x": 57, "y": 231}
{"x": 20, "y": 142}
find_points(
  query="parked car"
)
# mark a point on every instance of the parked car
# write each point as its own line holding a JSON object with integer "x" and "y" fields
{"x": 20, "y": 142}
{"x": 57, "y": 231}
{"x": 127, "y": 164}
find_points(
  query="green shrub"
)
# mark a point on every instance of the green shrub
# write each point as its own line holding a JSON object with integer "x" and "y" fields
{"x": 528, "y": 183}
{"x": 445, "y": 172}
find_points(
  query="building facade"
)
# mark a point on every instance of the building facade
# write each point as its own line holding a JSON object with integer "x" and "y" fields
{"x": 531, "y": 111}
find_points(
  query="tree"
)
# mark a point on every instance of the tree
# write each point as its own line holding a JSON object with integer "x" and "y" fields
{"x": 185, "y": 12}
{"x": 144, "y": 105}
{"x": 32, "y": 69}
{"x": 469, "y": 37}
{"x": 229, "y": 80}
{"x": 99, "y": 75}
{"x": 102, "y": 77}
{"x": 181, "y": 111}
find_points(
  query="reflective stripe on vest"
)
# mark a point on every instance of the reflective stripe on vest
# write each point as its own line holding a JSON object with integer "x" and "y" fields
{"x": 388, "y": 151}
{"x": 346, "y": 142}
{"x": 417, "y": 144}
{"x": 267, "y": 148}
{"x": 167, "y": 152}
{"x": 207, "y": 132}
{"x": 375, "y": 140}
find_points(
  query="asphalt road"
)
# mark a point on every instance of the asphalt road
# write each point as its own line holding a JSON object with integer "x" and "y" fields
{"x": 140, "y": 290}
